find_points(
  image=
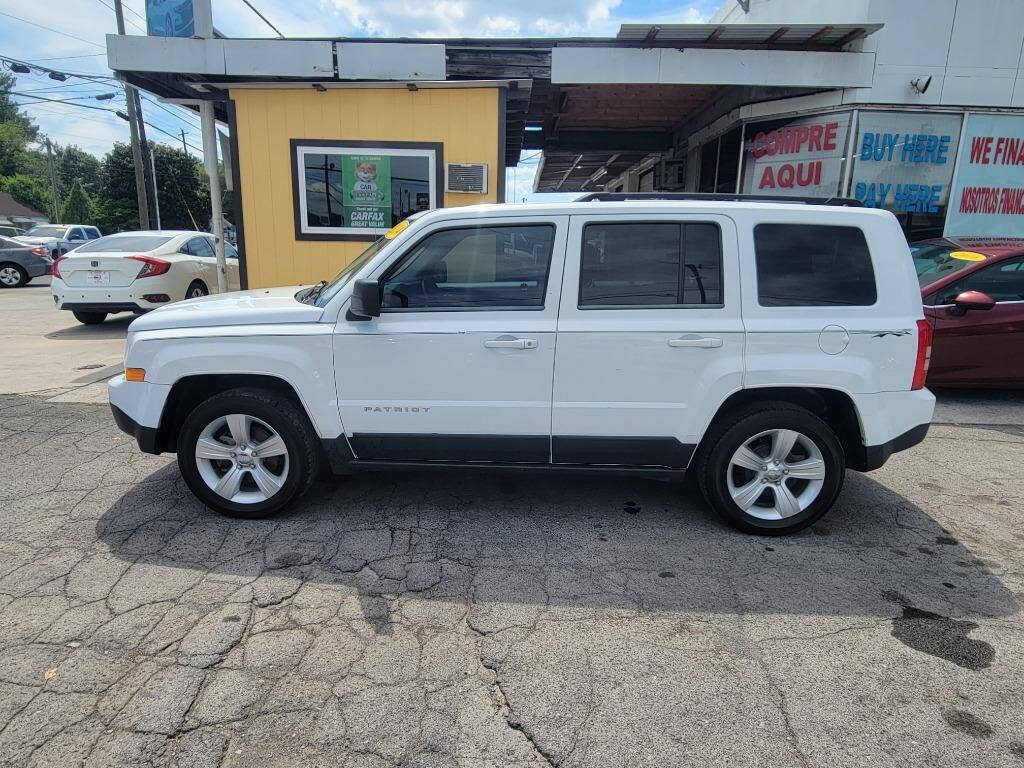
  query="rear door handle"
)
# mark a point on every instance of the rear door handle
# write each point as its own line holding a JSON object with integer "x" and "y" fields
{"x": 510, "y": 342}
{"x": 692, "y": 340}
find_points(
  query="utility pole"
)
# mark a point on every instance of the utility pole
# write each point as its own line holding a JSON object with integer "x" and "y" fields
{"x": 53, "y": 182}
{"x": 140, "y": 173}
{"x": 184, "y": 144}
{"x": 210, "y": 163}
{"x": 156, "y": 197}
{"x": 147, "y": 164}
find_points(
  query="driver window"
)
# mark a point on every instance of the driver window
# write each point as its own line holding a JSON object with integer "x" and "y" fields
{"x": 1003, "y": 282}
{"x": 473, "y": 267}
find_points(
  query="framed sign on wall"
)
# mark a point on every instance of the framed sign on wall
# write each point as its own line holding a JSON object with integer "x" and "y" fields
{"x": 988, "y": 192}
{"x": 358, "y": 190}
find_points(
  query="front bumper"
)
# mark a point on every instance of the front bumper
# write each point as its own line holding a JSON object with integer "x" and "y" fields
{"x": 137, "y": 408}
{"x": 144, "y": 436}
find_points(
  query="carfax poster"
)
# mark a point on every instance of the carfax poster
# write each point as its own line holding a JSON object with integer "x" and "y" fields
{"x": 366, "y": 191}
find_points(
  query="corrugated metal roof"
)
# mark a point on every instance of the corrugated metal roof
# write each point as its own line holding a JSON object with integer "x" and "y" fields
{"x": 817, "y": 35}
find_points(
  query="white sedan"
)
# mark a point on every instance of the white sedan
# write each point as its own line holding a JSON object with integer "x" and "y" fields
{"x": 138, "y": 271}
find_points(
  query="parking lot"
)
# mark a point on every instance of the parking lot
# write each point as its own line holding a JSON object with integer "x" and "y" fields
{"x": 491, "y": 620}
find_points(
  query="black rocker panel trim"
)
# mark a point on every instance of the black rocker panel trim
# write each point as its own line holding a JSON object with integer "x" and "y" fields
{"x": 622, "y": 451}
{"x": 662, "y": 452}
{"x": 513, "y": 449}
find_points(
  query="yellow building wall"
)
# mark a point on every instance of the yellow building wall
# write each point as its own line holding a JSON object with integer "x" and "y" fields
{"x": 465, "y": 120}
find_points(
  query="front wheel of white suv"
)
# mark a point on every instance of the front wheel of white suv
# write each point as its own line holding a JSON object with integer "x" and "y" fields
{"x": 248, "y": 452}
{"x": 771, "y": 469}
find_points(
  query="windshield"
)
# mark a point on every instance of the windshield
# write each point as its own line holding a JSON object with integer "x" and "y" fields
{"x": 934, "y": 262}
{"x": 46, "y": 231}
{"x": 118, "y": 243}
{"x": 342, "y": 278}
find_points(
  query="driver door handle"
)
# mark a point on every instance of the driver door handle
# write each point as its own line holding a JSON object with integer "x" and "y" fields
{"x": 692, "y": 340}
{"x": 510, "y": 342}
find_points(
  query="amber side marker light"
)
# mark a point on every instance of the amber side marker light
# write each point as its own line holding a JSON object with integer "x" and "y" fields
{"x": 134, "y": 374}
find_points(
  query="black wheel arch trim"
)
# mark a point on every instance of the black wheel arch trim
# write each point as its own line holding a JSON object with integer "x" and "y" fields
{"x": 871, "y": 457}
{"x": 146, "y": 437}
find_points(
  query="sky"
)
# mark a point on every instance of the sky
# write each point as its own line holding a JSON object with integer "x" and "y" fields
{"x": 72, "y": 41}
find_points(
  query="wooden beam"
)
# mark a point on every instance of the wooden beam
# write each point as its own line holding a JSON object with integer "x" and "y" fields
{"x": 849, "y": 37}
{"x": 776, "y": 35}
{"x": 566, "y": 175}
{"x": 717, "y": 33}
{"x": 817, "y": 35}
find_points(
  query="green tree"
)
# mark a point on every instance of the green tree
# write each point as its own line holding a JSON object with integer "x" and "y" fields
{"x": 75, "y": 163}
{"x": 182, "y": 190}
{"x": 12, "y": 149}
{"x": 77, "y": 205}
{"x": 28, "y": 191}
{"x": 9, "y": 112}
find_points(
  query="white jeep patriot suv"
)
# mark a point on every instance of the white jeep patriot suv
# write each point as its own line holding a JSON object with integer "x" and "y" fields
{"x": 764, "y": 346}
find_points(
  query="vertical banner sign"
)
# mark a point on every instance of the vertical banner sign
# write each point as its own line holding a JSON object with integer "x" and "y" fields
{"x": 904, "y": 162}
{"x": 988, "y": 199}
{"x": 170, "y": 18}
{"x": 366, "y": 188}
{"x": 801, "y": 157}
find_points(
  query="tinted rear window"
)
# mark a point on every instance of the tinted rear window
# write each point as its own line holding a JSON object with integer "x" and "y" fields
{"x": 123, "y": 243}
{"x": 651, "y": 264}
{"x": 813, "y": 265}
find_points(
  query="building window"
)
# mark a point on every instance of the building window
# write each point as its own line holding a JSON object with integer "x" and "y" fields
{"x": 359, "y": 190}
{"x": 903, "y": 162}
{"x": 813, "y": 265}
{"x": 801, "y": 157}
{"x": 650, "y": 264}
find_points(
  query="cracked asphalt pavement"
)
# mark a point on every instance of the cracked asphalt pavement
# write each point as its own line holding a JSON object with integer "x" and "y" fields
{"x": 477, "y": 620}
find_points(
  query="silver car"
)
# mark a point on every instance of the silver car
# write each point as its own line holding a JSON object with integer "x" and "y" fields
{"x": 19, "y": 262}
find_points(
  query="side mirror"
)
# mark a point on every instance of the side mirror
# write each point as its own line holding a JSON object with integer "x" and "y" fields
{"x": 365, "y": 299}
{"x": 972, "y": 300}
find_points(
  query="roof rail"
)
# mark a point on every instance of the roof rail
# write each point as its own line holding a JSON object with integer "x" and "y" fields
{"x": 715, "y": 197}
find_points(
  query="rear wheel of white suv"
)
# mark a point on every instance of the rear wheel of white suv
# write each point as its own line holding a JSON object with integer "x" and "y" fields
{"x": 772, "y": 469}
{"x": 248, "y": 452}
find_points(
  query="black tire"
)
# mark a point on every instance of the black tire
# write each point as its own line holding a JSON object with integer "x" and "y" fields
{"x": 725, "y": 437}
{"x": 280, "y": 413}
{"x": 23, "y": 277}
{"x": 196, "y": 289}
{"x": 90, "y": 318}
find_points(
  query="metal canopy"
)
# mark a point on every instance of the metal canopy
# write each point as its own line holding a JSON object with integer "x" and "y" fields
{"x": 589, "y": 132}
{"x": 801, "y": 36}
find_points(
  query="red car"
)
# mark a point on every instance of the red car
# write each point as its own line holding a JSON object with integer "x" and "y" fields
{"x": 973, "y": 291}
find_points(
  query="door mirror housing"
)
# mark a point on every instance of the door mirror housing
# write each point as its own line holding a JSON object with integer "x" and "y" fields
{"x": 972, "y": 300}
{"x": 365, "y": 299}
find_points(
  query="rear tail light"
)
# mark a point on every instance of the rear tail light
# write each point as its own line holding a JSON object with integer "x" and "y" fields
{"x": 39, "y": 251}
{"x": 55, "y": 267}
{"x": 924, "y": 354}
{"x": 156, "y": 298}
{"x": 151, "y": 266}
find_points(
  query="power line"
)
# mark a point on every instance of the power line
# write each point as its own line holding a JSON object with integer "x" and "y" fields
{"x": 69, "y": 103}
{"x": 59, "y": 101}
{"x": 64, "y": 58}
{"x": 139, "y": 16}
{"x": 51, "y": 29}
{"x": 108, "y": 5}
{"x": 264, "y": 18}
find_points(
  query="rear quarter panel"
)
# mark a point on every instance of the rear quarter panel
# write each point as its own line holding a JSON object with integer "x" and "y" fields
{"x": 865, "y": 349}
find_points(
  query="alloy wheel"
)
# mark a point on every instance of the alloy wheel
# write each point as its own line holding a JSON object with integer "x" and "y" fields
{"x": 776, "y": 474}
{"x": 242, "y": 459}
{"x": 10, "y": 276}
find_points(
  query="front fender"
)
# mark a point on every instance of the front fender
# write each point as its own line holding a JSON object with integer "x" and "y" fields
{"x": 300, "y": 354}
